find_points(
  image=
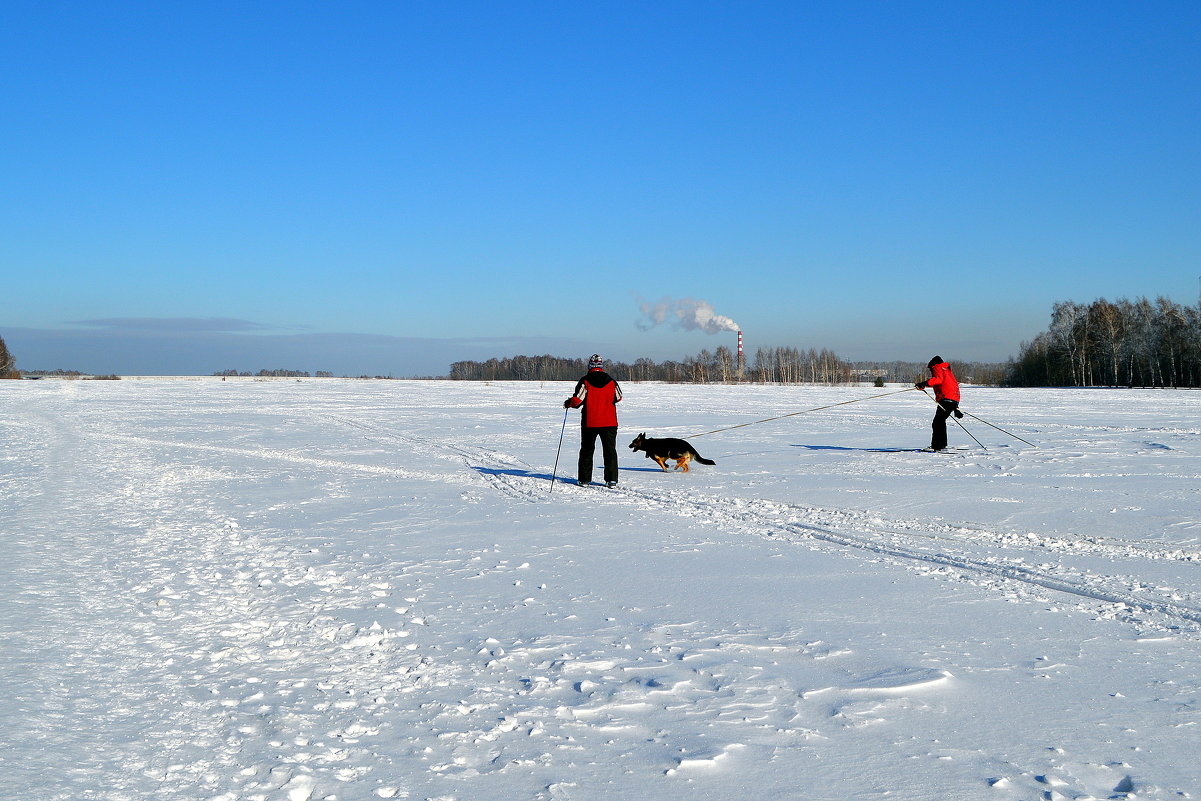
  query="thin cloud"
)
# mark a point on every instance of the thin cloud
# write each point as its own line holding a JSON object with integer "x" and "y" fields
{"x": 156, "y": 350}
{"x": 191, "y": 325}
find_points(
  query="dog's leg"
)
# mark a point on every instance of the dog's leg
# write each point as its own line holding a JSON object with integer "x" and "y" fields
{"x": 662, "y": 462}
{"x": 682, "y": 463}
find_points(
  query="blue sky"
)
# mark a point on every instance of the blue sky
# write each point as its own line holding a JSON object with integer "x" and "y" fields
{"x": 384, "y": 188}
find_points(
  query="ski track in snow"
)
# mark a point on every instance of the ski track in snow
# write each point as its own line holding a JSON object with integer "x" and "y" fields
{"x": 970, "y": 552}
{"x": 240, "y": 665}
{"x": 198, "y": 659}
{"x": 958, "y": 551}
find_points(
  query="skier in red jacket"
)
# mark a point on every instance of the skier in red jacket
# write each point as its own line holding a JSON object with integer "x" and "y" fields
{"x": 946, "y": 392}
{"x": 599, "y": 394}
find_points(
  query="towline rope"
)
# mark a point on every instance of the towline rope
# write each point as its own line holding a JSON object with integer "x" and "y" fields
{"x": 794, "y": 414}
{"x": 1003, "y": 431}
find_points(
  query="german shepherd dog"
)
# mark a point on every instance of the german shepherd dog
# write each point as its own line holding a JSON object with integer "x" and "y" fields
{"x": 663, "y": 449}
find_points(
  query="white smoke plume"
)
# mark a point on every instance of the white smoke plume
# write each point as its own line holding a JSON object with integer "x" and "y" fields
{"x": 686, "y": 314}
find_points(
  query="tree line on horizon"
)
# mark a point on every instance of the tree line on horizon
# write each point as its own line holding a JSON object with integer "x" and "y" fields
{"x": 787, "y": 365}
{"x": 273, "y": 374}
{"x": 1139, "y": 343}
{"x": 718, "y": 366}
{"x": 1136, "y": 343}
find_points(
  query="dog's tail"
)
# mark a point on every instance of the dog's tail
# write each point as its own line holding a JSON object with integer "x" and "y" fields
{"x": 702, "y": 459}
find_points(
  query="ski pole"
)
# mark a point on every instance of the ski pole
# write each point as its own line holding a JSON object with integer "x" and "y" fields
{"x": 1003, "y": 431}
{"x": 794, "y": 414}
{"x": 953, "y": 417}
{"x": 555, "y": 472}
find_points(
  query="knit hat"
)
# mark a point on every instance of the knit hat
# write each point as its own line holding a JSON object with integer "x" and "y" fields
{"x": 595, "y": 361}
{"x": 934, "y": 361}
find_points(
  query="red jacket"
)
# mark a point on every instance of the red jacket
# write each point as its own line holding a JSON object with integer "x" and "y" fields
{"x": 943, "y": 382}
{"x": 599, "y": 394}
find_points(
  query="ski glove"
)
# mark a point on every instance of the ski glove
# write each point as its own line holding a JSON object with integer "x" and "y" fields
{"x": 567, "y": 403}
{"x": 920, "y": 385}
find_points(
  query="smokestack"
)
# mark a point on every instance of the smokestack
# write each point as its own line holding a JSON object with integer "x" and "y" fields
{"x": 741, "y": 357}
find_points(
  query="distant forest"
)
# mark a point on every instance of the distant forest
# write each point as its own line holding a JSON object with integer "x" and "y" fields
{"x": 769, "y": 366}
{"x": 274, "y": 374}
{"x": 1126, "y": 343}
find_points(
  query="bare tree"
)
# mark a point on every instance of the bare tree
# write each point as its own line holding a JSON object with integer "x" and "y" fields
{"x": 724, "y": 365}
{"x": 8, "y": 364}
{"x": 1121, "y": 343}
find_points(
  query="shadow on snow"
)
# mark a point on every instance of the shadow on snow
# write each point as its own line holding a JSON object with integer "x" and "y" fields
{"x": 512, "y": 471}
{"x": 848, "y": 449}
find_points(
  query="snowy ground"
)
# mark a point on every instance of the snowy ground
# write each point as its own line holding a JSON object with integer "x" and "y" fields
{"x": 347, "y": 590}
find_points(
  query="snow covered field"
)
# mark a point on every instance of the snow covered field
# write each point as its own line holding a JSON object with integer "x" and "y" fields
{"x": 353, "y": 590}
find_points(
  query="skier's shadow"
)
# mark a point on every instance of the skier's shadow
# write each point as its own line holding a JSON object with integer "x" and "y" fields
{"x": 496, "y": 471}
{"x": 850, "y": 450}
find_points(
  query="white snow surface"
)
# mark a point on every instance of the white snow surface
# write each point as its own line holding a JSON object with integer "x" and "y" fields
{"x": 354, "y": 590}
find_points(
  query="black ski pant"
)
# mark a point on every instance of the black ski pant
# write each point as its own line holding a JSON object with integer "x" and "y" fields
{"x": 608, "y": 438}
{"x": 938, "y": 437}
